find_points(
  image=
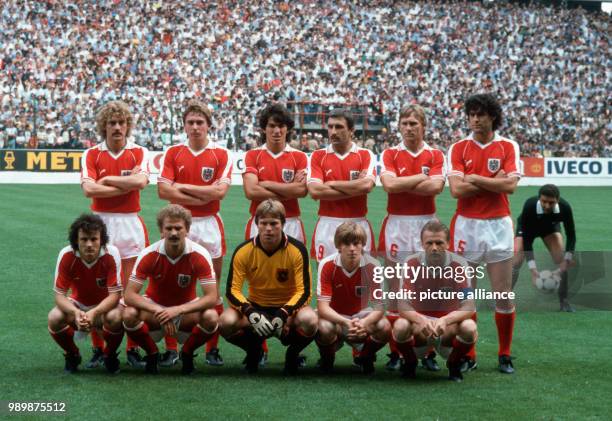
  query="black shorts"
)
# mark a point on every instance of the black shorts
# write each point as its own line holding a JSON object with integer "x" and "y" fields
{"x": 542, "y": 232}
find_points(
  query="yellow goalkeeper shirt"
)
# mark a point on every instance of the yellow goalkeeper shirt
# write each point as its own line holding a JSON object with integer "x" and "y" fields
{"x": 277, "y": 279}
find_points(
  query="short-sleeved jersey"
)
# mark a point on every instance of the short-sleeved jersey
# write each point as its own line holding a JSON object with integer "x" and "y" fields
{"x": 173, "y": 282}
{"x": 446, "y": 279}
{"x": 533, "y": 222}
{"x": 348, "y": 293}
{"x": 212, "y": 164}
{"x": 98, "y": 162}
{"x": 471, "y": 157}
{"x": 327, "y": 165}
{"x": 89, "y": 283}
{"x": 280, "y": 168}
{"x": 399, "y": 161}
{"x": 277, "y": 279}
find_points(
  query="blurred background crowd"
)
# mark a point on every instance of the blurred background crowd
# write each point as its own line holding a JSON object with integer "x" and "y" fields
{"x": 61, "y": 60}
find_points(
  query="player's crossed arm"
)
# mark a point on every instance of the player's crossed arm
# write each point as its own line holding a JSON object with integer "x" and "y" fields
{"x": 501, "y": 183}
{"x": 294, "y": 190}
{"x": 171, "y": 193}
{"x": 137, "y": 180}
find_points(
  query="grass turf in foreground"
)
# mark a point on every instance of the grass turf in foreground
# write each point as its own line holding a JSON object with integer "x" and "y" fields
{"x": 562, "y": 360}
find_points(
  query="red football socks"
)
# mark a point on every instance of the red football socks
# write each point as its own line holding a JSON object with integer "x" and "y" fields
{"x": 65, "y": 339}
{"x": 505, "y": 329}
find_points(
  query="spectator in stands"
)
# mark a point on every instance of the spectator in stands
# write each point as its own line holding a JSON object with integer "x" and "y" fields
{"x": 550, "y": 65}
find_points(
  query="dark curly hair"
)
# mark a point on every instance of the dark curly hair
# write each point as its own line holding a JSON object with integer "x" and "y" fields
{"x": 279, "y": 113}
{"x": 487, "y": 104}
{"x": 88, "y": 223}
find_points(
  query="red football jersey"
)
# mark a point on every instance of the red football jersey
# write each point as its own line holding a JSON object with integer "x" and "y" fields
{"x": 181, "y": 164}
{"x": 348, "y": 293}
{"x": 471, "y": 157}
{"x": 398, "y": 161}
{"x": 99, "y": 161}
{"x": 447, "y": 279}
{"x": 327, "y": 165}
{"x": 89, "y": 283}
{"x": 280, "y": 168}
{"x": 173, "y": 282}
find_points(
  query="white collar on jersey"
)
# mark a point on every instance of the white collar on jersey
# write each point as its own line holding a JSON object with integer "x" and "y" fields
{"x": 496, "y": 138}
{"x": 209, "y": 145}
{"x": 352, "y": 149}
{"x": 540, "y": 210}
{"x": 287, "y": 148}
{"x": 90, "y": 265}
{"x": 338, "y": 262}
{"x": 162, "y": 250}
{"x": 128, "y": 145}
{"x": 425, "y": 147}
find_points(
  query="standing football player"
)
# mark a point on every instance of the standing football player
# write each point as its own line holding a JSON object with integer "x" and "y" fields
{"x": 170, "y": 307}
{"x": 347, "y": 308}
{"x": 542, "y": 216}
{"x": 275, "y": 171}
{"x": 444, "y": 323}
{"x": 197, "y": 175}
{"x": 90, "y": 269}
{"x": 412, "y": 174}
{"x": 277, "y": 270}
{"x": 483, "y": 169}
{"x": 112, "y": 175}
{"x": 340, "y": 176}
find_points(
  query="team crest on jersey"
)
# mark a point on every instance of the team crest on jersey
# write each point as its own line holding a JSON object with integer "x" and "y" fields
{"x": 184, "y": 280}
{"x": 282, "y": 275}
{"x": 353, "y": 175}
{"x": 359, "y": 290}
{"x": 125, "y": 173}
{"x": 425, "y": 170}
{"x": 101, "y": 282}
{"x": 207, "y": 173}
{"x": 493, "y": 164}
{"x": 288, "y": 175}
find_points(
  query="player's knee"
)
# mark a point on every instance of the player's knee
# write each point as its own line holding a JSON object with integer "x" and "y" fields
{"x": 381, "y": 330}
{"x": 113, "y": 319}
{"x": 468, "y": 329}
{"x": 307, "y": 321}
{"x": 228, "y": 322}
{"x": 209, "y": 319}
{"x": 401, "y": 329}
{"x": 130, "y": 316}
{"x": 56, "y": 318}
{"x": 327, "y": 331}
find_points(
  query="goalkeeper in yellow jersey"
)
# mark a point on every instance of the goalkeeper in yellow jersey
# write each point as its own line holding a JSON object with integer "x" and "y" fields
{"x": 277, "y": 271}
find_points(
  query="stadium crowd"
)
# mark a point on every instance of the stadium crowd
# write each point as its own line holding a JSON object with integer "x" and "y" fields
{"x": 60, "y": 61}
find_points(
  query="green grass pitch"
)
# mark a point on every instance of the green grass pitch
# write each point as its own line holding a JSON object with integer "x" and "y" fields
{"x": 562, "y": 360}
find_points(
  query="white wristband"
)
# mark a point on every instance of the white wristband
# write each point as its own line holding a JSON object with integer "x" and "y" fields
{"x": 568, "y": 256}
{"x": 531, "y": 264}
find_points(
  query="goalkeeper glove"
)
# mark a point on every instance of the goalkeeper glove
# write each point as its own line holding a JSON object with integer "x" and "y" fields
{"x": 260, "y": 323}
{"x": 279, "y": 320}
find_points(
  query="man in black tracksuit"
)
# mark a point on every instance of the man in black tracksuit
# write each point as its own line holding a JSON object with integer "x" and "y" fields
{"x": 542, "y": 216}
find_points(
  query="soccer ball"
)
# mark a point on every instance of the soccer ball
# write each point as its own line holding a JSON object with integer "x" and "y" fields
{"x": 548, "y": 281}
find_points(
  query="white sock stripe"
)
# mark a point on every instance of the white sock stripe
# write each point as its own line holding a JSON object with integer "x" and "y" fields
{"x": 502, "y": 311}
{"x": 463, "y": 341}
{"x": 59, "y": 331}
{"x": 133, "y": 329}
{"x": 206, "y": 331}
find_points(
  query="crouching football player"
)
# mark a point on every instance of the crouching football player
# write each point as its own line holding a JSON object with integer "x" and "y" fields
{"x": 440, "y": 312}
{"x": 90, "y": 269}
{"x": 345, "y": 287}
{"x": 277, "y": 270}
{"x": 172, "y": 266}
